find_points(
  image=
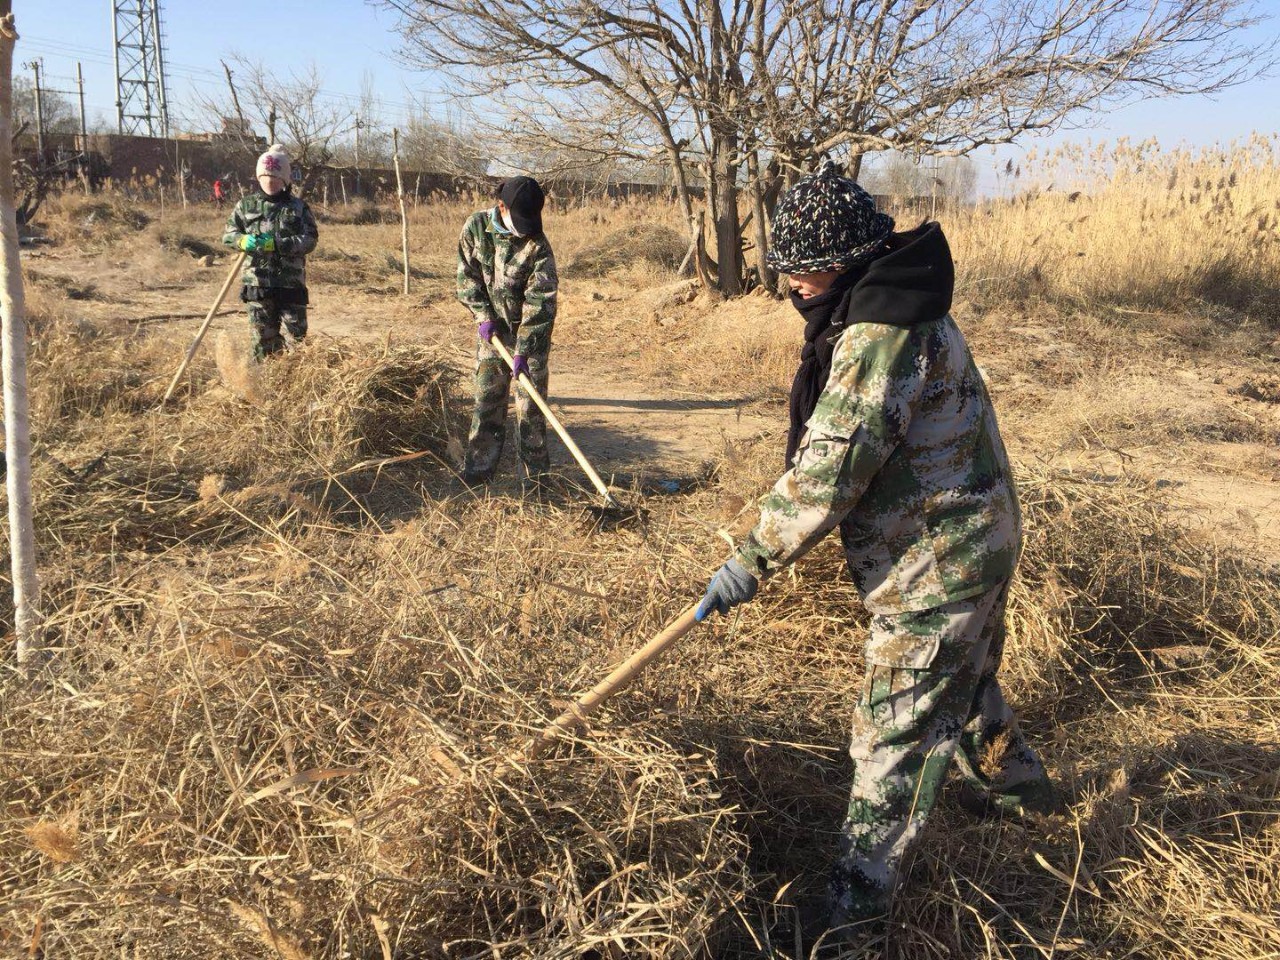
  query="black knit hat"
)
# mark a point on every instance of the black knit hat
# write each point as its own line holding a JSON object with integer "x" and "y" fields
{"x": 826, "y": 222}
{"x": 524, "y": 199}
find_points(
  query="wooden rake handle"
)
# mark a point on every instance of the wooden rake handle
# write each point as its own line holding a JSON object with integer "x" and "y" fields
{"x": 622, "y": 675}
{"x": 578, "y": 455}
{"x": 204, "y": 327}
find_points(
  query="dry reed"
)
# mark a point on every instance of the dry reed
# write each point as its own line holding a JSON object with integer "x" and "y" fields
{"x": 285, "y": 681}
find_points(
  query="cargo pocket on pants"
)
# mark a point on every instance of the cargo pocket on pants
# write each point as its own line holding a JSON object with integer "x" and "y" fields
{"x": 907, "y": 641}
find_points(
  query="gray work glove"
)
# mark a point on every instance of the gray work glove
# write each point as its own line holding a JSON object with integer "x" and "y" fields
{"x": 731, "y": 585}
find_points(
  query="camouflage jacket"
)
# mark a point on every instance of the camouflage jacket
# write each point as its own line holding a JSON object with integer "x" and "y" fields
{"x": 508, "y": 279}
{"x": 290, "y": 220}
{"x": 903, "y": 454}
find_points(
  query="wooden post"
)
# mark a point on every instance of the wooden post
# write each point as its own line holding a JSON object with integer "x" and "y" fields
{"x": 404, "y": 217}
{"x": 26, "y": 584}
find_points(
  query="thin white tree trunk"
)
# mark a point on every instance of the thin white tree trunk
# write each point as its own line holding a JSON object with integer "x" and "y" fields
{"x": 404, "y": 216}
{"x": 13, "y": 330}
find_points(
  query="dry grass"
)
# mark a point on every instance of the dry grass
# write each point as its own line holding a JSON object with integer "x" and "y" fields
{"x": 285, "y": 679}
{"x": 1166, "y": 230}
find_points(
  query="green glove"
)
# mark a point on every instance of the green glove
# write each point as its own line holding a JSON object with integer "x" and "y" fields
{"x": 258, "y": 243}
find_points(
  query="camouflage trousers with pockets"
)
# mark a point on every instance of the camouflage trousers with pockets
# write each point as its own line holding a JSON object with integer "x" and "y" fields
{"x": 489, "y": 417}
{"x": 930, "y": 696}
{"x": 266, "y": 317}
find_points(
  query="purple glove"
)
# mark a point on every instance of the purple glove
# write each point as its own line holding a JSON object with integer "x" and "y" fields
{"x": 487, "y": 329}
{"x": 519, "y": 365}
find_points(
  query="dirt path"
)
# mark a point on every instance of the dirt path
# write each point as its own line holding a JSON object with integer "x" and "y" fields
{"x": 644, "y": 427}
{"x": 628, "y": 430}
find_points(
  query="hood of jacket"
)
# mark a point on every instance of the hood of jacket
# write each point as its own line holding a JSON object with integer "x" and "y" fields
{"x": 912, "y": 283}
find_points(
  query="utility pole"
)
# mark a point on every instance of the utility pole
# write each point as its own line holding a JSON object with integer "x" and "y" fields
{"x": 84, "y": 126}
{"x": 84, "y": 132}
{"x": 359, "y": 124}
{"x": 35, "y": 69}
{"x": 271, "y": 125}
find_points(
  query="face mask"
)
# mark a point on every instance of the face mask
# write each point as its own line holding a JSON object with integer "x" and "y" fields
{"x": 506, "y": 222}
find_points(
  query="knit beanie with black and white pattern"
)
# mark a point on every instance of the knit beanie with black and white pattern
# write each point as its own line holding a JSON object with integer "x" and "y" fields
{"x": 826, "y": 222}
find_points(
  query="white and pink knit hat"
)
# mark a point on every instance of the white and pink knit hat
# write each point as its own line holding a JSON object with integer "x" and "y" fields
{"x": 275, "y": 163}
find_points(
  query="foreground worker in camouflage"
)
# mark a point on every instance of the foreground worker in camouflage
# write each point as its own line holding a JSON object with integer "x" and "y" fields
{"x": 277, "y": 231}
{"x": 894, "y": 440}
{"x": 507, "y": 278}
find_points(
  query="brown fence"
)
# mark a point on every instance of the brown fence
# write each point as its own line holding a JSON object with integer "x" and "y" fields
{"x": 143, "y": 163}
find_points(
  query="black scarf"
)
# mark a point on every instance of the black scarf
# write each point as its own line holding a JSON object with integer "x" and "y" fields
{"x": 910, "y": 284}
{"x": 824, "y": 320}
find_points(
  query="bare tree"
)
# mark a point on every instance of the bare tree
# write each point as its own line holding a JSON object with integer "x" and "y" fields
{"x": 941, "y": 179}
{"x": 434, "y": 146}
{"x": 557, "y": 63}
{"x": 26, "y": 583}
{"x": 726, "y": 85}
{"x": 264, "y": 105}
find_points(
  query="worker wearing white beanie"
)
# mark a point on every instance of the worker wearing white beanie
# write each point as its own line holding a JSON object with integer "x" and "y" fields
{"x": 274, "y": 163}
{"x": 276, "y": 230}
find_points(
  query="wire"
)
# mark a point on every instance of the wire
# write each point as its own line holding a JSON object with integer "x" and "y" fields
{"x": 428, "y": 102}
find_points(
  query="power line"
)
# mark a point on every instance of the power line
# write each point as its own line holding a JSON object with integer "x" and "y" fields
{"x": 430, "y": 102}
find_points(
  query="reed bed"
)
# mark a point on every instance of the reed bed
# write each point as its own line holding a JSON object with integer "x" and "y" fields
{"x": 1133, "y": 231}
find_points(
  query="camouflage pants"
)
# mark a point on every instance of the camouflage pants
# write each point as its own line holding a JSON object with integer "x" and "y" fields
{"x": 265, "y": 320}
{"x": 930, "y": 695}
{"x": 489, "y": 417}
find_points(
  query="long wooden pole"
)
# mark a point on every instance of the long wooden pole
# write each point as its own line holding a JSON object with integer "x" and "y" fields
{"x": 191, "y": 351}
{"x": 13, "y": 331}
{"x": 616, "y": 681}
{"x": 404, "y": 216}
{"x": 574, "y": 449}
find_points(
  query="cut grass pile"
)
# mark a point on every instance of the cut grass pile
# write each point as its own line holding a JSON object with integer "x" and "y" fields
{"x": 283, "y": 730}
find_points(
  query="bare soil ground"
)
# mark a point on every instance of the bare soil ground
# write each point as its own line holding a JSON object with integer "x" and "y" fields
{"x": 631, "y": 423}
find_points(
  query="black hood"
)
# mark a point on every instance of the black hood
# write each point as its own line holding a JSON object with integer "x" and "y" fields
{"x": 910, "y": 284}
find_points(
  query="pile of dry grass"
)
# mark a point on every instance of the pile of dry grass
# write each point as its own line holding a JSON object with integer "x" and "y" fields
{"x": 113, "y": 473}
{"x": 70, "y": 217}
{"x": 653, "y": 244}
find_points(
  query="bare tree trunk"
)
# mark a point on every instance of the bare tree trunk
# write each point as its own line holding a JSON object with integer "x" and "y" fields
{"x": 725, "y": 215}
{"x": 26, "y": 585}
{"x": 768, "y": 277}
{"x": 700, "y": 253}
{"x": 404, "y": 216}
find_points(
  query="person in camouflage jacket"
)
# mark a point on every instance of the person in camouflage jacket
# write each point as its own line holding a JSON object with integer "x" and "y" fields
{"x": 277, "y": 231}
{"x": 507, "y": 279}
{"x": 894, "y": 441}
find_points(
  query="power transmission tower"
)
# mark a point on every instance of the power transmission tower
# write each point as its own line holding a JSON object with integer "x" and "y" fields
{"x": 142, "y": 108}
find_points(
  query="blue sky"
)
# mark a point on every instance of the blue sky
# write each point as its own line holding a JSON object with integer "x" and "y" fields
{"x": 350, "y": 38}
